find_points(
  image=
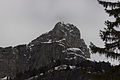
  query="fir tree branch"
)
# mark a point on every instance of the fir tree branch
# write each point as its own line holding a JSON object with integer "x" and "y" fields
{"x": 109, "y": 4}
{"x": 113, "y": 12}
{"x": 107, "y": 53}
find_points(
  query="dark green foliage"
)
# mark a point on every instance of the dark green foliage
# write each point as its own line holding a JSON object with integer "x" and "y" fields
{"x": 111, "y": 34}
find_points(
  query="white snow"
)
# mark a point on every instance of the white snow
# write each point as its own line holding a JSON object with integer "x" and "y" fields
{"x": 72, "y": 67}
{"x": 75, "y": 49}
{"x": 36, "y": 76}
{"x": 71, "y": 30}
{"x": 61, "y": 67}
{"x": 73, "y": 52}
{"x": 32, "y": 45}
{"x": 50, "y": 41}
{"x": 89, "y": 72}
{"x": 69, "y": 58}
{"x": 41, "y": 74}
{"x": 5, "y": 78}
{"x": 61, "y": 45}
{"x": 61, "y": 40}
{"x": 75, "y": 57}
{"x": 64, "y": 51}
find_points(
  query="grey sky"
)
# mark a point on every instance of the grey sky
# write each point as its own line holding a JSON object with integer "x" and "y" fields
{"x": 23, "y": 20}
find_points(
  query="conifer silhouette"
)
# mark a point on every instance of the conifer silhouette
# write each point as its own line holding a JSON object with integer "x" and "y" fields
{"x": 111, "y": 34}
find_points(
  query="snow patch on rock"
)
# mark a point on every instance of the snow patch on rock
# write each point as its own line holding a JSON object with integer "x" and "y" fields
{"x": 75, "y": 49}
{"x": 5, "y": 78}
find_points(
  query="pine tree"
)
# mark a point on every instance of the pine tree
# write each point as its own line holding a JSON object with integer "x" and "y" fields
{"x": 111, "y": 34}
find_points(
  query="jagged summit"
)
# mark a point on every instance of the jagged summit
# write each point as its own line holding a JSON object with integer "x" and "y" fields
{"x": 62, "y": 32}
{"x": 66, "y": 34}
{"x": 67, "y": 28}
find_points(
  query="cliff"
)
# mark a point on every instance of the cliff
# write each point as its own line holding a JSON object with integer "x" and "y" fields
{"x": 61, "y": 45}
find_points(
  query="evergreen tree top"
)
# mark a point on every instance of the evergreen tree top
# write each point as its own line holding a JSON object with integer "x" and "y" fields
{"x": 111, "y": 34}
{"x": 109, "y": 4}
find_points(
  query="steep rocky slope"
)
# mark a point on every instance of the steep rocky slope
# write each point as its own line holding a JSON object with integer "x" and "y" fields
{"x": 66, "y": 34}
{"x": 62, "y": 45}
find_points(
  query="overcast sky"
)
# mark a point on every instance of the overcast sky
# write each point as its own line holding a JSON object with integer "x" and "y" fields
{"x": 23, "y": 20}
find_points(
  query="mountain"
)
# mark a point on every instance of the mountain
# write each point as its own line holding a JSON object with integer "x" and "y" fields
{"x": 62, "y": 45}
{"x": 60, "y": 54}
{"x": 67, "y": 35}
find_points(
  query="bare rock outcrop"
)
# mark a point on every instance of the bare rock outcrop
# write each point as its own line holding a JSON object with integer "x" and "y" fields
{"x": 67, "y": 34}
{"x": 63, "y": 44}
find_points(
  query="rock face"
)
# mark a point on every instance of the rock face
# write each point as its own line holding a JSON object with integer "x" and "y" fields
{"x": 66, "y": 34}
{"x": 63, "y": 44}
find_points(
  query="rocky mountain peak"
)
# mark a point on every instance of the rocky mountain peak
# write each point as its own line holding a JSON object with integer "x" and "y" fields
{"x": 66, "y": 29}
{"x": 61, "y": 45}
{"x": 66, "y": 34}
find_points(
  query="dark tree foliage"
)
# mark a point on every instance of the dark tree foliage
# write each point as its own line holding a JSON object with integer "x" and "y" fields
{"x": 111, "y": 34}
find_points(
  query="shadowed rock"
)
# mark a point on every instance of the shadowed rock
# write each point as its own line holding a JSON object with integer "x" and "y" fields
{"x": 67, "y": 34}
{"x": 63, "y": 43}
